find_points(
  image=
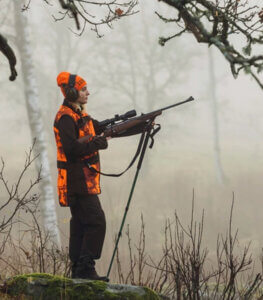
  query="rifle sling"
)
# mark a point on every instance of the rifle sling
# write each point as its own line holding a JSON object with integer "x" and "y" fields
{"x": 129, "y": 166}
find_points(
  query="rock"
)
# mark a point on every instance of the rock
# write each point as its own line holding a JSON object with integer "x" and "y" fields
{"x": 50, "y": 287}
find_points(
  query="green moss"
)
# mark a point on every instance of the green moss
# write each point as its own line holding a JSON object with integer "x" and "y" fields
{"x": 89, "y": 290}
{"x": 122, "y": 296}
{"x": 129, "y": 296}
{"x": 40, "y": 275}
{"x": 49, "y": 287}
{"x": 81, "y": 292}
{"x": 17, "y": 285}
{"x": 150, "y": 294}
{"x": 111, "y": 296}
{"x": 57, "y": 288}
{"x": 98, "y": 286}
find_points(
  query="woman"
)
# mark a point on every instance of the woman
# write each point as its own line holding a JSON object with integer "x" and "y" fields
{"x": 79, "y": 139}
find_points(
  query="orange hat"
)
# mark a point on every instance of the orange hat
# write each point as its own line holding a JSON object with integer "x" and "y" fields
{"x": 63, "y": 79}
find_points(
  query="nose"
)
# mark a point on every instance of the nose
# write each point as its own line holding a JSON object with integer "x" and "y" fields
{"x": 88, "y": 93}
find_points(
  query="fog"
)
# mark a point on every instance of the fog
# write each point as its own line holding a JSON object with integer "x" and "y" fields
{"x": 127, "y": 69}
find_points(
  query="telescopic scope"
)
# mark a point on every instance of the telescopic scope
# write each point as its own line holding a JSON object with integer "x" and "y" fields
{"x": 124, "y": 117}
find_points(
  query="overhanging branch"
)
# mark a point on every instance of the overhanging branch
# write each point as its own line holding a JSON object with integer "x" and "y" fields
{"x": 10, "y": 55}
{"x": 215, "y": 22}
{"x": 81, "y": 11}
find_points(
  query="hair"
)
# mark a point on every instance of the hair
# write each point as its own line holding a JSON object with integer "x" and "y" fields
{"x": 78, "y": 107}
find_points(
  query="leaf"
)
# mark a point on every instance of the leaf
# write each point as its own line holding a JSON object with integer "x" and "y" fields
{"x": 247, "y": 49}
{"x": 162, "y": 41}
{"x": 118, "y": 11}
{"x": 247, "y": 70}
{"x": 260, "y": 68}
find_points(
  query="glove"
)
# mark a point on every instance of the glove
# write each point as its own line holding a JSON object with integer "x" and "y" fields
{"x": 99, "y": 142}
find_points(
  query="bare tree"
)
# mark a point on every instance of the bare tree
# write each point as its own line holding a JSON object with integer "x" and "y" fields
{"x": 87, "y": 12}
{"x": 212, "y": 94}
{"x": 16, "y": 197}
{"x": 31, "y": 250}
{"x": 36, "y": 125}
{"x": 215, "y": 23}
{"x": 24, "y": 245}
{"x": 145, "y": 77}
{"x": 93, "y": 13}
{"x": 183, "y": 271}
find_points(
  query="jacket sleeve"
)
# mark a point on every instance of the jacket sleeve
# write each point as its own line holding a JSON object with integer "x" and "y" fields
{"x": 69, "y": 139}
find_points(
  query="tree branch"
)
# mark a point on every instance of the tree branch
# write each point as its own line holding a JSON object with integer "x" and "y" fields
{"x": 10, "y": 55}
{"x": 215, "y": 23}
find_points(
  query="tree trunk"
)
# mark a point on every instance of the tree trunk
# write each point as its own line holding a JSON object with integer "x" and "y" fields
{"x": 48, "y": 209}
{"x": 212, "y": 94}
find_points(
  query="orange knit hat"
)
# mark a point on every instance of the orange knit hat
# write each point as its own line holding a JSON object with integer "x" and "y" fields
{"x": 63, "y": 79}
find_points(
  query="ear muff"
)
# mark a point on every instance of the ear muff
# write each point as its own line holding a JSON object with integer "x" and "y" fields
{"x": 71, "y": 92}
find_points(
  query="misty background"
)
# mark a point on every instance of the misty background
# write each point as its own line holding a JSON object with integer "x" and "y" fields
{"x": 212, "y": 145}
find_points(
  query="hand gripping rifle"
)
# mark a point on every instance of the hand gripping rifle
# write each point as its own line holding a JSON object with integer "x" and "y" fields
{"x": 114, "y": 129}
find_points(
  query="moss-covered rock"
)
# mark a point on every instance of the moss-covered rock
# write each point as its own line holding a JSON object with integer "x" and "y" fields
{"x": 49, "y": 287}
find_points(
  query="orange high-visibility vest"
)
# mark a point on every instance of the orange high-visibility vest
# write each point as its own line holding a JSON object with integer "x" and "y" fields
{"x": 92, "y": 179}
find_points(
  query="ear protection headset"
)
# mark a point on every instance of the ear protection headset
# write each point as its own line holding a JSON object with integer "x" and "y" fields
{"x": 71, "y": 92}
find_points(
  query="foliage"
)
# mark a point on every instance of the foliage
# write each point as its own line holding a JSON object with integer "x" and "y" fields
{"x": 216, "y": 22}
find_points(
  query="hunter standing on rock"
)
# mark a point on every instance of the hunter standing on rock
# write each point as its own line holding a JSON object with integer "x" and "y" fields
{"x": 78, "y": 138}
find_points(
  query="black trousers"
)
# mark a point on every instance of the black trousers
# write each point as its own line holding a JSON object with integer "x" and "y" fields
{"x": 87, "y": 228}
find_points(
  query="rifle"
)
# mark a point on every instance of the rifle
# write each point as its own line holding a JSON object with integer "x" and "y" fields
{"x": 114, "y": 129}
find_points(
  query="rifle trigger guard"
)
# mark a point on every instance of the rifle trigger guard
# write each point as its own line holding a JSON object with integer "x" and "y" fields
{"x": 153, "y": 134}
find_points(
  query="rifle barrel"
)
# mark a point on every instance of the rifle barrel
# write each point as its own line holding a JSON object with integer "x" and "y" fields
{"x": 176, "y": 104}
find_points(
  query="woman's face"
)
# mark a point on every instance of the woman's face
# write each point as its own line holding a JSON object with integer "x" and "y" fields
{"x": 83, "y": 95}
